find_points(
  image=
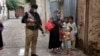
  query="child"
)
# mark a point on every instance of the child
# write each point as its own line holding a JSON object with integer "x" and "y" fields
{"x": 72, "y": 24}
{"x": 1, "y": 41}
{"x": 67, "y": 40}
{"x": 61, "y": 30}
{"x": 65, "y": 24}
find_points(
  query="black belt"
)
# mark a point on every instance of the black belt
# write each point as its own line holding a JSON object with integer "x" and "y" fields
{"x": 32, "y": 27}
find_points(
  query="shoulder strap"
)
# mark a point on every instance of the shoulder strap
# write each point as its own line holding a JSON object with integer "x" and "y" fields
{"x": 30, "y": 16}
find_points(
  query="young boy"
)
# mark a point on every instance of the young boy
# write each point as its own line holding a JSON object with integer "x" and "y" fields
{"x": 72, "y": 24}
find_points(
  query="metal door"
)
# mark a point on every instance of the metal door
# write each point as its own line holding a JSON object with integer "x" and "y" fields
{"x": 70, "y": 8}
{"x": 53, "y": 6}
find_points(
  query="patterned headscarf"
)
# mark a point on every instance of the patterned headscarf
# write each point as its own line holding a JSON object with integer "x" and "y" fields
{"x": 57, "y": 15}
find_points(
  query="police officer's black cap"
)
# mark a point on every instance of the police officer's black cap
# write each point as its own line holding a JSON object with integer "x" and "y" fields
{"x": 35, "y": 6}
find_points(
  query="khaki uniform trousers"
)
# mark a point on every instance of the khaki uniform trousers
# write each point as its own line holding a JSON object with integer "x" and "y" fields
{"x": 73, "y": 42}
{"x": 31, "y": 40}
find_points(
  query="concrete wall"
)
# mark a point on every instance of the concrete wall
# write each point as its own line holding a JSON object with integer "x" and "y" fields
{"x": 27, "y": 7}
{"x": 3, "y": 14}
{"x": 44, "y": 9}
{"x": 94, "y": 27}
{"x": 81, "y": 22}
{"x": 93, "y": 21}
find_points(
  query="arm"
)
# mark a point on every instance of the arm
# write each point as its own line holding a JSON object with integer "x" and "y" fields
{"x": 40, "y": 27}
{"x": 70, "y": 36}
{"x": 75, "y": 28}
{"x": 1, "y": 27}
{"x": 39, "y": 22}
{"x": 38, "y": 18}
{"x": 24, "y": 19}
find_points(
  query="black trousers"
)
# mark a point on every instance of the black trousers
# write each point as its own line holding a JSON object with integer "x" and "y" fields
{"x": 1, "y": 40}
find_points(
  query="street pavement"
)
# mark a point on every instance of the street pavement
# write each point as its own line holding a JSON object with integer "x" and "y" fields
{"x": 14, "y": 41}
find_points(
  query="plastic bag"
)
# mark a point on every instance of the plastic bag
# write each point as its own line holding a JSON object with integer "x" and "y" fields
{"x": 49, "y": 25}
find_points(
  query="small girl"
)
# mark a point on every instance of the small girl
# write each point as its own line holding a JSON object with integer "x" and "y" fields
{"x": 65, "y": 24}
{"x": 67, "y": 40}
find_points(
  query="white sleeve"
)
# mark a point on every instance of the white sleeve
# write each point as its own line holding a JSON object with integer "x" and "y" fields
{"x": 69, "y": 25}
{"x": 75, "y": 28}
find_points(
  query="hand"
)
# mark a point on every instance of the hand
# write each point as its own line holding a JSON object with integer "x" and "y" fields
{"x": 30, "y": 20}
{"x": 43, "y": 33}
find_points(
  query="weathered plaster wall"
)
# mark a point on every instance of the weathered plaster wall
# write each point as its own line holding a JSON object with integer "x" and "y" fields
{"x": 94, "y": 26}
{"x": 81, "y": 19}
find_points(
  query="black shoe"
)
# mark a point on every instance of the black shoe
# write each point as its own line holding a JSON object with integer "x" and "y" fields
{"x": 34, "y": 55}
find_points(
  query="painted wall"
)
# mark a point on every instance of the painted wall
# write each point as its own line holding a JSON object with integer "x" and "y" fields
{"x": 44, "y": 9}
{"x": 3, "y": 14}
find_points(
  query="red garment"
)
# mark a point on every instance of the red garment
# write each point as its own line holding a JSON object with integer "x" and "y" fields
{"x": 60, "y": 33}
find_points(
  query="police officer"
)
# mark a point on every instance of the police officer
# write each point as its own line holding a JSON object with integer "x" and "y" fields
{"x": 33, "y": 23}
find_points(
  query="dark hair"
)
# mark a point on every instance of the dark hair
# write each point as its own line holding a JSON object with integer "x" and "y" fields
{"x": 35, "y": 6}
{"x": 71, "y": 17}
{"x": 66, "y": 17}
